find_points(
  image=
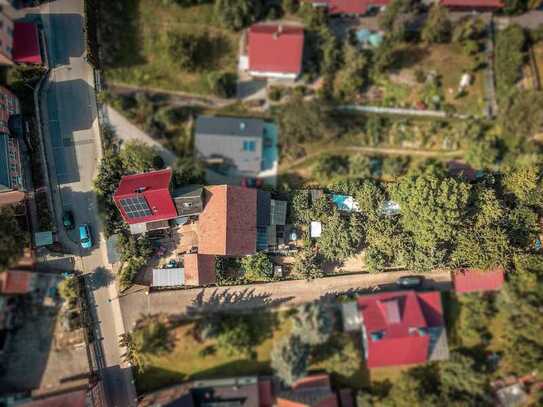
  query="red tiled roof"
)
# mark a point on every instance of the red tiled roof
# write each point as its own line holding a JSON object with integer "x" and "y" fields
{"x": 275, "y": 48}
{"x": 472, "y": 280}
{"x": 26, "y": 44}
{"x": 480, "y": 4}
{"x": 397, "y": 315}
{"x": 317, "y": 380}
{"x": 15, "y": 282}
{"x": 310, "y": 391}
{"x": 358, "y": 7}
{"x": 227, "y": 225}
{"x": 199, "y": 269}
{"x": 155, "y": 187}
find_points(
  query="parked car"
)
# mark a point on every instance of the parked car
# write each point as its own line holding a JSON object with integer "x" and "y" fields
{"x": 251, "y": 182}
{"x": 68, "y": 220}
{"x": 85, "y": 236}
{"x": 410, "y": 281}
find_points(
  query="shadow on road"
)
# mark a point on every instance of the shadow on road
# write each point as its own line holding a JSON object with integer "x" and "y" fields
{"x": 222, "y": 300}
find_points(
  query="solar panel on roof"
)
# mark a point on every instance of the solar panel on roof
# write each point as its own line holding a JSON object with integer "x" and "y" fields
{"x": 136, "y": 207}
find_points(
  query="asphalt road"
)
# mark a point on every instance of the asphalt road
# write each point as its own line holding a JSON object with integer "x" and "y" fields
{"x": 73, "y": 150}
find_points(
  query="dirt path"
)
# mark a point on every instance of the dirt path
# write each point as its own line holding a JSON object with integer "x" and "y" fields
{"x": 175, "y": 97}
{"x": 373, "y": 150}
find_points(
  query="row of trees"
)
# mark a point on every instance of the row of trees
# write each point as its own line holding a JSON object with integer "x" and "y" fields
{"x": 445, "y": 221}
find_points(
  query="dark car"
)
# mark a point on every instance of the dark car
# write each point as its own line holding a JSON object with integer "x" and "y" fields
{"x": 68, "y": 220}
{"x": 410, "y": 281}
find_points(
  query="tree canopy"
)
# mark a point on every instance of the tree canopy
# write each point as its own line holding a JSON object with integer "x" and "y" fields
{"x": 12, "y": 240}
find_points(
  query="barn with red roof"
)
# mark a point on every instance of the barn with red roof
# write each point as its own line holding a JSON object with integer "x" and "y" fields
{"x": 275, "y": 50}
{"x": 474, "y": 280}
{"x": 402, "y": 328}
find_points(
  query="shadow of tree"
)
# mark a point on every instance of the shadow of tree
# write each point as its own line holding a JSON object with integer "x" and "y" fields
{"x": 101, "y": 277}
{"x": 231, "y": 300}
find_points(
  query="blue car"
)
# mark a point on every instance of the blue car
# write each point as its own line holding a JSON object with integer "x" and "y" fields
{"x": 85, "y": 236}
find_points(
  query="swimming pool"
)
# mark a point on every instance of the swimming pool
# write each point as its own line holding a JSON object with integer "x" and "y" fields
{"x": 269, "y": 146}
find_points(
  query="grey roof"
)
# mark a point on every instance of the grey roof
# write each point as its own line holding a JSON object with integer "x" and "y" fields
{"x": 278, "y": 212}
{"x": 188, "y": 200}
{"x": 263, "y": 203}
{"x": 229, "y": 126}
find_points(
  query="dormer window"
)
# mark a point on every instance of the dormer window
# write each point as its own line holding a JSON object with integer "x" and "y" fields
{"x": 377, "y": 335}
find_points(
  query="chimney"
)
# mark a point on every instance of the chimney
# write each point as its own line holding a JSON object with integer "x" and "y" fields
{"x": 242, "y": 126}
{"x": 278, "y": 32}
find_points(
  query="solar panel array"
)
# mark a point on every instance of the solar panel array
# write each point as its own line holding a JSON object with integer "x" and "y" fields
{"x": 136, "y": 207}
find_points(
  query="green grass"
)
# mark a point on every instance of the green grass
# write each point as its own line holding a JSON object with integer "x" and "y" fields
{"x": 150, "y": 65}
{"x": 341, "y": 357}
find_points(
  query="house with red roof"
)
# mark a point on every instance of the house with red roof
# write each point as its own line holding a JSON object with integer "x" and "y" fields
{"x": 350, "y": 7}
{"x": 222, "y": 220}
{"x": 310, "y": 391}
{"x": 400, "y": 328}
{"x": 473, "y": 5}
{"x": 475, "y": 280}
{"x": 274, "y": 51}
{"x": 144, "y": 200}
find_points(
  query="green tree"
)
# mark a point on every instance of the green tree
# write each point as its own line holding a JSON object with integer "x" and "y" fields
{"x": 151, "y": 337}
{"x": 138, "y": 157}
{"x": 313, "y": 323}
{"x": 290, "y": 6}
{"x": 300, "y": 122}
{"x": 69, "y": 289}
{"x": 236, "y": 336}
{"x": 342, "y": 235}
{"x": 370, "y": 198}
{"x": 257, "y": 267}
{"x": 289, "y": 359}
{"x": 433, "y": 207}
{"x": 352, "y": 77}
{"x": 523, "y": 180}
{"x": 300, "y": 207}
{"x": 187, "y": 170}
{"x": 395, "y": 167}
{"x": 106, "y": 182}
{"x": 482, "y": 153}
{"x": 237, "y": 14}
{"x": 521, "y": 117}
{"x": 461, "y": 381}
{"x": 437, "y": 27}
{"x": 223, "y": 84}
{"x": 360, "y": 166}
{"x": 13, "y": 239}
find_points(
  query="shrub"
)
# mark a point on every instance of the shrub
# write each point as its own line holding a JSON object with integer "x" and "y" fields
{"x": 289, "y": 359}
{"x": 313, "y": 323}
{"x": 329, "y": 166}
{"x": 69, "y": 289}
{"x": 275, "y": 93}
{"x": 189, "y": 50}
{"x": 223, "y": 84}
{"x": 237, "y": 14}
{"x": 509, "y": 57}
{"x": 257, "y": 267}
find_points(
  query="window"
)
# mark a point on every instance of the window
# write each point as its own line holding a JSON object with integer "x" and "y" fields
{"x": 249, "y": 145}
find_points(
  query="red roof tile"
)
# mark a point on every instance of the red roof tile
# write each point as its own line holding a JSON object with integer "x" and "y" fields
{"x": 199, "y": 269}
{"x": 227, "y": 225}
{"x": 396, "y": 316}
{"x": 16, "y": 282}
{"x": 476, "y": 4}
{"x": 26, "y": 44}
{"x": 154, "y": 187}
{"x": 358, "y": 7}
{"x": 472, "y": 280}
{"x": 310, "y": 391}
{"x": 275, "y": 48}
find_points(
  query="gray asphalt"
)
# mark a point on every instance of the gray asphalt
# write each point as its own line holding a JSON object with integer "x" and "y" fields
{"x": 72, "y": 144}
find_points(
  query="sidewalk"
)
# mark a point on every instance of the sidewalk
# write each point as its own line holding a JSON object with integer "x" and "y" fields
{"x": 126, "y": 131}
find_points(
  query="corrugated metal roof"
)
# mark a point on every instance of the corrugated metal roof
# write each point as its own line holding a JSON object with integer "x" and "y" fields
{"x": 4, "y": 161}
{"x": 168, "y": 277}
{"x": 278, "y": 212}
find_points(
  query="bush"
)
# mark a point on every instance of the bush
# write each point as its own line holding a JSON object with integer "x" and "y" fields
{"x": 308, "y": 264}
{"x": 223, "y": 84}
{"x": 237, "y": 14}
{"x": 329, "y": 166}
{"x": 257, "y": 267}
{"x": 360, "y": 166}
{"x": 69, "y": 289}
{"x": 437, "y": 27}
{"x": 189, "y": 50}
{"x": 275, "y": 93}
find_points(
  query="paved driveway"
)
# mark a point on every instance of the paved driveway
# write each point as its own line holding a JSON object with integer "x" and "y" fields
{"x": 191, "y": 302}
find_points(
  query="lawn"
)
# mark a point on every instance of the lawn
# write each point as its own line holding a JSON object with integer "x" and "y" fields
{"x": 145, "y": 60}
{"x": 448, "y": 61}
{"x": 341, "y": 357}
